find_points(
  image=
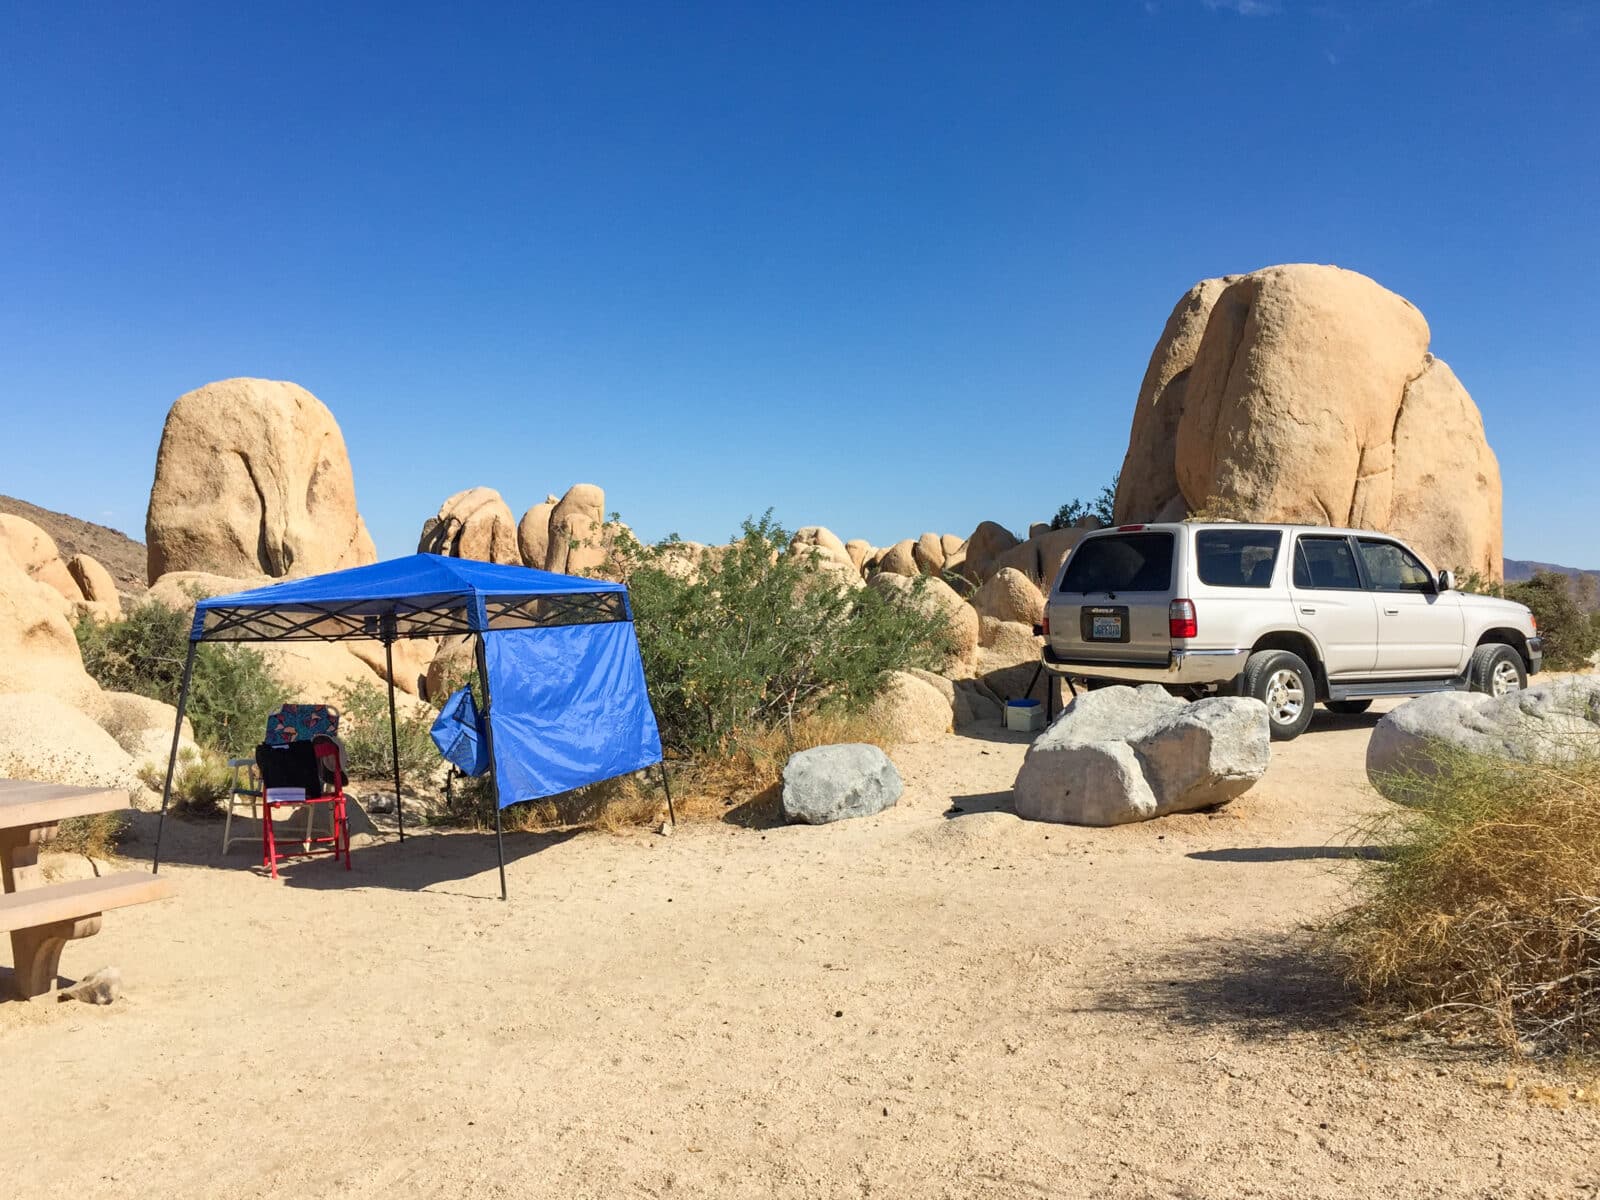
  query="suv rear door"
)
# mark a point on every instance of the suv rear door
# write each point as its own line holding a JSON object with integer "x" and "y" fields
{"x": 1333, "y": 605}
{"x": 1420, "y": 629}
{"x": 1112, "y": 602}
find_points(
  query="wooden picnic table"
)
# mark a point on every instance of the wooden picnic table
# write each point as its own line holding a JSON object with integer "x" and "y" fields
{"x": 41, "y": 917}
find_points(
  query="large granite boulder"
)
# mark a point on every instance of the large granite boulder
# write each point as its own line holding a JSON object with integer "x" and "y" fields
{"x": 475, "y": 523}
{"x": 576, "y": 542}
{"x": 988, "y": 541}
{"x": 822, "y": 542}
{"x": 1123, "y": 754}
{"x": 1306, "y": 393}
{"x": 833, "y": 783}
{"x": 252, "y": 478}
{"x": 1010, "y": 596}
{"x": 1551, "y": 720}
{"x": 912, "y": 708}
{"x": 533, "y": 533}
{"x": 38, "y": 651}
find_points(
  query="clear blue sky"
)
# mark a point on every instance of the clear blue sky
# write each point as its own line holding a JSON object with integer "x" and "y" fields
{"x": 882, "y": 267}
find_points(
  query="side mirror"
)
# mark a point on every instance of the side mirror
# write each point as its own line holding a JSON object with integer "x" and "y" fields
{"x": 1447, "y": 581}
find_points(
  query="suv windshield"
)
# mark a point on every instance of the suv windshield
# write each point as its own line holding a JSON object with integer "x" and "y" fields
{"x": 1241, "y": 558}
{"x": 1122, "y": 562}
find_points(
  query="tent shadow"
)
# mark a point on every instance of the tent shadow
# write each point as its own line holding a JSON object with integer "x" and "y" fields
{"x": 422, "y": 862}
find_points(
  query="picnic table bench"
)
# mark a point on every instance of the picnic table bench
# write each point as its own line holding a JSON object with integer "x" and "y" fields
{"x": 43, "y": 917}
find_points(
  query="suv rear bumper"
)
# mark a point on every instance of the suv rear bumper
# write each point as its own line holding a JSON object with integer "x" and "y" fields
{"x": 1182, "y": 667}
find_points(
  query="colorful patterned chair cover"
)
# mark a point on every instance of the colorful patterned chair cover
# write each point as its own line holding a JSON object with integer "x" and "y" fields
{"x": 301, "y": 722}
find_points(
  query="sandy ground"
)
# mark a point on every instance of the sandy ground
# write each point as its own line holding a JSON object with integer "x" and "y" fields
{"x": 925, "y": 1003}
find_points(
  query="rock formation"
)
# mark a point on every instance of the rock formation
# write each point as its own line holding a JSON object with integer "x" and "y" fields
{"x": 533, "y": 533}
{"x": 252, "y": 478}
{"x": 1307, "y": 394}
{"x": 475, "y": 523}
{"x": 83, "y": 585}
{"x": 576, "y": 539}
{"x": 1009, "y": 595}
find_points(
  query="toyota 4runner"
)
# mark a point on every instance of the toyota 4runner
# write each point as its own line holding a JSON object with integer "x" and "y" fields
{"x": 1289, "y": 614}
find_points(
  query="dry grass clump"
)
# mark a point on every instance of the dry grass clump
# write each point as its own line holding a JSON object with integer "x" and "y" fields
{"x": 96, "y": 835}
{"x": 1483, "y": 917}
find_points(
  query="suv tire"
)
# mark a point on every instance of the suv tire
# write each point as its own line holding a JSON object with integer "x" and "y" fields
{"x": 1496, "y": 669}
{"x": 1284, "y": 683}
{"x": 1348, "y": 708}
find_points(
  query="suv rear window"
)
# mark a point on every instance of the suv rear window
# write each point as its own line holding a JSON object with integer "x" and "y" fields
{"x": 1121, "y": 562}
{"x": 1239, "y": 558}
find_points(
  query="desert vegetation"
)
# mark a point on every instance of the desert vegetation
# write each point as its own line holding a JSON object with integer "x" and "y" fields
{"x": 1567, "y": 609}
{"x": 1481, "y": 918}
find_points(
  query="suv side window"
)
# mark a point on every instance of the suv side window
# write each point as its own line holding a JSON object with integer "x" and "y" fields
{"x": 1393, "y": 568}
{"x": 1326, "y": 562}
{"x": 1237, "y": 558}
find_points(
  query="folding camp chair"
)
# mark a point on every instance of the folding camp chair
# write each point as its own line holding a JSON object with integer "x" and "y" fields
{"x": 299, "y": 764}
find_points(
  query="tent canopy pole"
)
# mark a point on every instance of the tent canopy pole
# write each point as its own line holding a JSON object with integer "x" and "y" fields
{"x": 494, "y": 782}
{"x": 172, "y": 756}
{"x": 394, "y": 730}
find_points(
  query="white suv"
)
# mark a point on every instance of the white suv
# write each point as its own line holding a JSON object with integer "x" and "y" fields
{"x": 1290, "y": 614}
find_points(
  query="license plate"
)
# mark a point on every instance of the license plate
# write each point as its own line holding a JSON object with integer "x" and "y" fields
{"x": 1106, "y": 629}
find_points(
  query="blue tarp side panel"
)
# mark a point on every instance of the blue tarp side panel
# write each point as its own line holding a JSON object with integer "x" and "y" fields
{"x": 569, "y": 707}
{"x": 458, "y": 732}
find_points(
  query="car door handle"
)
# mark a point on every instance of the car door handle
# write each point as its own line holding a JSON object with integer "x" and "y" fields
{"x": 1393, "y": 612}
{"x": 1309, "y": 610}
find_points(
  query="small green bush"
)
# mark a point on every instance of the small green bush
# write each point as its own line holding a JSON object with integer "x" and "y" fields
{"x": 758, "y": 638}
{"x": 1102, "y": 508}
{"x": 232, "y": 691}
{"x": 364, "y": 732}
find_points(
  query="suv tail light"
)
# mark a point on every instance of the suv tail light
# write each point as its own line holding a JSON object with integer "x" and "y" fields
{"x": 1047, "y": 625}
{"x": 1182, "y": 621}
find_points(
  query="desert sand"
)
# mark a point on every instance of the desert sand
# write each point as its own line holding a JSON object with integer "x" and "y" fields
{"x": 930, "y": 1002}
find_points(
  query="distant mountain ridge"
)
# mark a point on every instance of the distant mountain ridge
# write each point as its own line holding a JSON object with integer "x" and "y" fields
{"x": 1518, "y": 569}
{"x": 116, "y": 552}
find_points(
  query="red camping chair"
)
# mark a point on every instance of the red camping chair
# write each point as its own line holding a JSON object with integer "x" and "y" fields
{"x": 299, "y": 764}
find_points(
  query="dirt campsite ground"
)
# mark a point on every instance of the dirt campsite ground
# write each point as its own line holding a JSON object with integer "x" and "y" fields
{"x": 941, "y": 1001}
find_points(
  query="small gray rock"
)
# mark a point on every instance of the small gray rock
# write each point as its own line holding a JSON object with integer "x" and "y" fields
{"x": 832, "y": 783}
{"x": 100, "y": 987}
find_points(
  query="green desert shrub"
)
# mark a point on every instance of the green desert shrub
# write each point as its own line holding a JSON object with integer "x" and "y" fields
{"x": 1482, "y": 916}
{"x": 364, "y": 732}
{"x": 201, "y": 781}
{"x": 1570, "y": 631}
{"x": 1102, "y": 507}
{"x": 232, "y": 691}
{"x": 755, "y": 638}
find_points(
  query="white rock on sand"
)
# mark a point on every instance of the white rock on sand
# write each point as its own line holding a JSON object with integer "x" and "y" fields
{"x": 1122, "y": 754}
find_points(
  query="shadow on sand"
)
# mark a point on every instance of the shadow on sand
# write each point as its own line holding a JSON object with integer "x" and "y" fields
{"x": 1258, "y": 987}
{"x": 1276, "y": 854}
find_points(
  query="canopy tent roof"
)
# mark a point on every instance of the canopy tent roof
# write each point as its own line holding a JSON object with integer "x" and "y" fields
{"x": 423, "y": 595}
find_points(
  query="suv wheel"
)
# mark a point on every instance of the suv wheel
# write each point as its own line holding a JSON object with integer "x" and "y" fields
{"x": 1284, "y": 683}
{"x": 1496, "y": 670}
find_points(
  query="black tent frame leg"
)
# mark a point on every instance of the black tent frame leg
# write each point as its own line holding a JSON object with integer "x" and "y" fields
{"x": 494, "y": 781}
{"x": 671, "y": 813}
{"x": 394, "y": 736}
{"x": 172, "y": 756}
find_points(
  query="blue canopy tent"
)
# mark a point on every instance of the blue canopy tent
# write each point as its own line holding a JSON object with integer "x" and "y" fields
{"x": 565, "y": 702}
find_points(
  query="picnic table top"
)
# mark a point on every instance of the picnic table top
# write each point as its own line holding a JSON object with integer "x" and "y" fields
{"x": 24, "y": 802}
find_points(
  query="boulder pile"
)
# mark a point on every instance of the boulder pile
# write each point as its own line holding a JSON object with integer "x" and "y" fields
{"x": 1123, "y": 754}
